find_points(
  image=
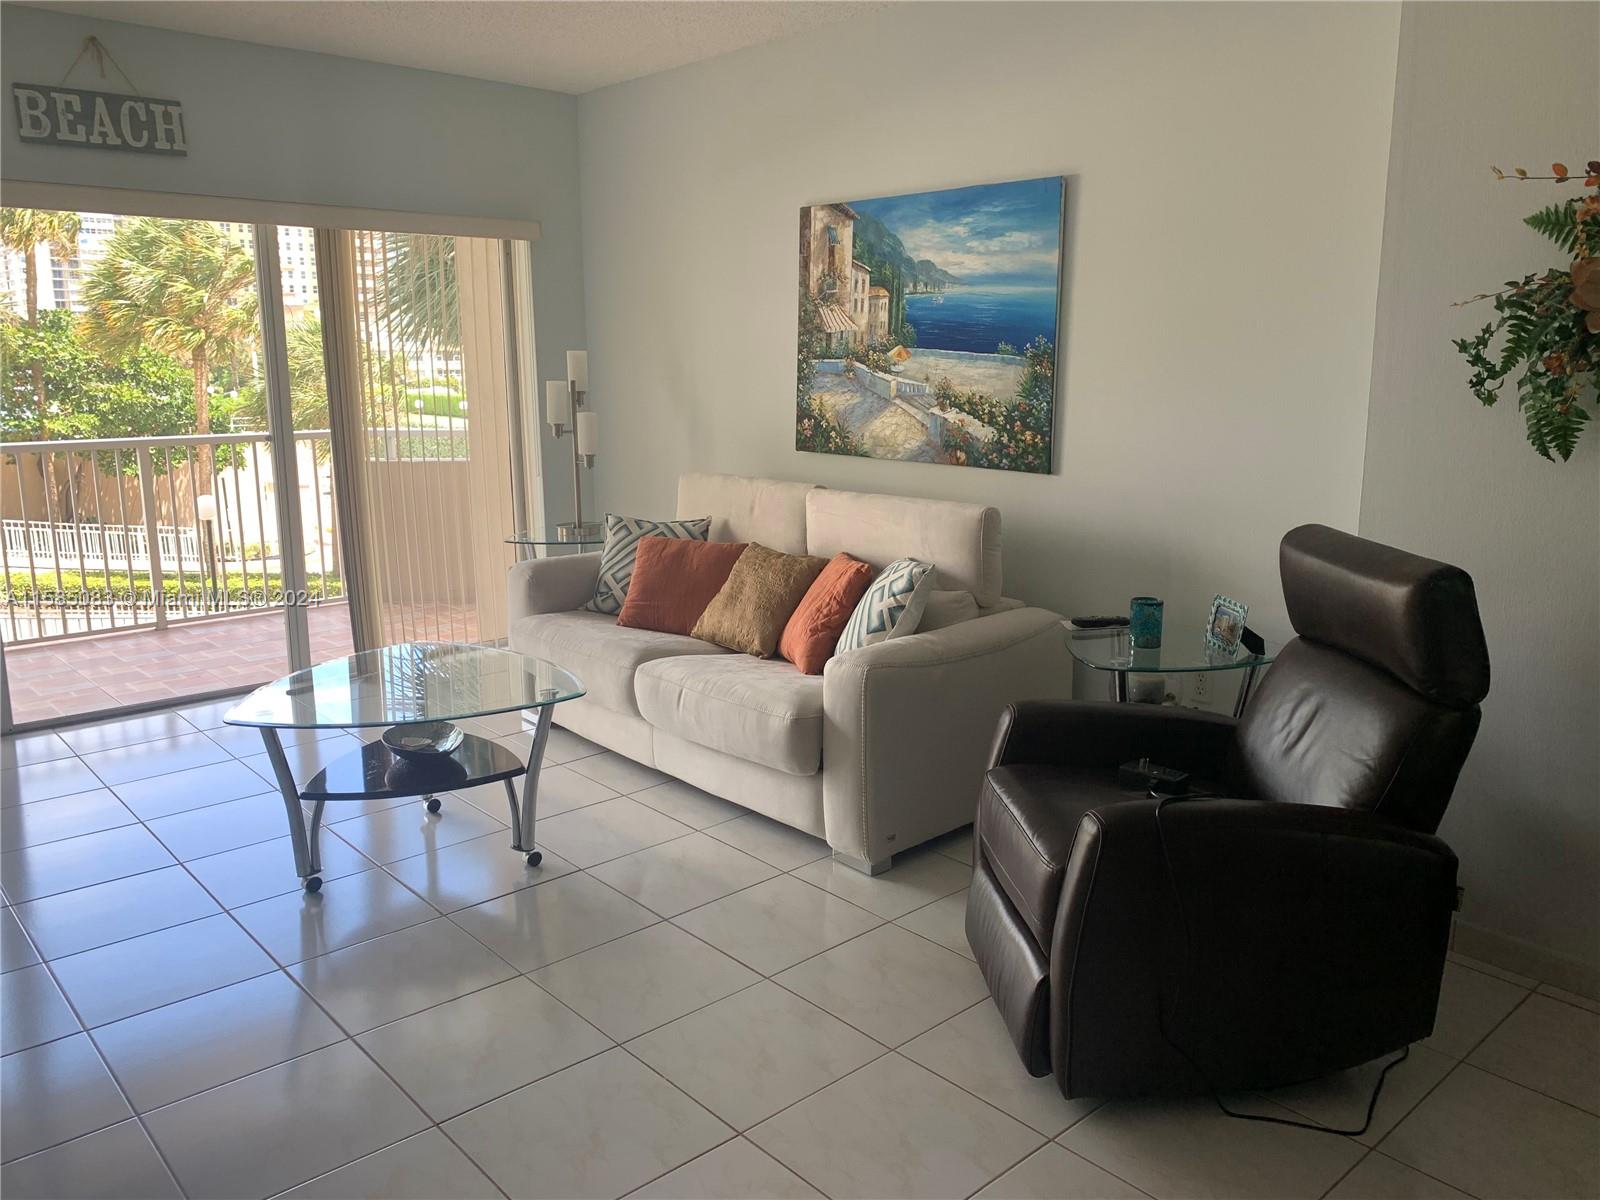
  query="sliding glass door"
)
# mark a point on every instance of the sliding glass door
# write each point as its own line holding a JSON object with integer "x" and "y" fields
{"x": 214, "y": 471}
{"x": 425, "y": 374}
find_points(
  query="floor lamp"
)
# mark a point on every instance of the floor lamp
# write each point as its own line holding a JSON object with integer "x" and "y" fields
{"x": 564, "y": 400}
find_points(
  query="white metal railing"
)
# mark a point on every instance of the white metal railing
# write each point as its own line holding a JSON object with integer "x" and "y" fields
{"x": 95, "y": 545}
{"x": 81, "y": 518}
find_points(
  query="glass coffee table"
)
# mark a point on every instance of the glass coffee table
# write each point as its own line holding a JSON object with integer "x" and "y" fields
{"x": 1112, "y": 650}
{"x": 414, "y": 691}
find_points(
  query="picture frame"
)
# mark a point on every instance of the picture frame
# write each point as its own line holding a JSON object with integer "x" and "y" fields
{"x": 1226, "y": 624}
{"x": 928, "y": 325}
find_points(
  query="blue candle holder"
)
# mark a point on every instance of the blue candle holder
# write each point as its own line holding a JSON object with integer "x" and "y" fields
{"x": 1144, "y": 622}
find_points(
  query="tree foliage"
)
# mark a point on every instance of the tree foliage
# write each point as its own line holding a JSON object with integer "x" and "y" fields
{"x": 24, "y": 229}
{"x": 308, "y": 384}
{"x": 144, "y": 393}
{"x": 418, "y": 296}
{"x": 1021, "y": 440}
{"x": 816, "y": 429}
{"x": 812, "y": 342}
{"x": 181, "y": 287}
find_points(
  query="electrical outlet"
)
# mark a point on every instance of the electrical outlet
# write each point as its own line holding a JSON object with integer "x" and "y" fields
{"x": 1200, "y": 687}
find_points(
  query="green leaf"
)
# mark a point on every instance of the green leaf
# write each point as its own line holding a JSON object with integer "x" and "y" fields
{"x": 1558, "y": 222}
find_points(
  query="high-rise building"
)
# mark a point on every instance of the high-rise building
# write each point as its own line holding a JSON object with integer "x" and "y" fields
{"x": 61, "y": 281}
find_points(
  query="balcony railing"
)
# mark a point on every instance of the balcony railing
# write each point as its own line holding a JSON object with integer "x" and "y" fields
{"x": 47, "y": 544}
{"x": 110, "y": 534}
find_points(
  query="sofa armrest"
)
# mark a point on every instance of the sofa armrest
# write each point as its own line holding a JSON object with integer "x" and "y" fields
{"x": 1095, "y": 733}
{"x": 544, "y": 585}
{"x": 908, "y": 725}
{"x": 1284, "y": 941}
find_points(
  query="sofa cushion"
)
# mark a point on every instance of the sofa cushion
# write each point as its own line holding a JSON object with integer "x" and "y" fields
{"x": 623, "y": 535}
{"x": 760, "y": 710}
{"x": 601, "y": 653}
{"x": 813, "y": 631}
{"x": 1028, "y": 817}
{"x": 891, "y": 607}
{"x": 762, "y": 592}
{"x": 673, "y": 581}
{"x": 946, "y": 609}
{"x": 744, "y": 509}
{"x": 961, "y": 540}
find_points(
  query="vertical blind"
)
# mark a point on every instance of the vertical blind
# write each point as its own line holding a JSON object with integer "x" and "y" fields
{"x": 419, "y": 394}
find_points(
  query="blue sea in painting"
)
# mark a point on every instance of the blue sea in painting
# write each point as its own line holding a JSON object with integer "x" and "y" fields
{"x": 978, "y": 319}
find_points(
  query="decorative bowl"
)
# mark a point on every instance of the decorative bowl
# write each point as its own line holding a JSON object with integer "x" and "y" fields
{"x": 428, "y": 739}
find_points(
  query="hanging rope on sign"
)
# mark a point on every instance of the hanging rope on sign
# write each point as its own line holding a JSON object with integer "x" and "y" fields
{"x": 93, "y": 45}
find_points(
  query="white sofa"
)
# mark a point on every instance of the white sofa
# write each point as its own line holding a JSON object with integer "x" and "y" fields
{"x": 887, "y": 747}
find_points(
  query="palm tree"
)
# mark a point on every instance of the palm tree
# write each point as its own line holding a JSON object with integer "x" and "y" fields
{"x": 417, "y": 294}
{"x": 308, "y": 384}
{"x": 181, "y": 287}
{"x": 24, "y": 230}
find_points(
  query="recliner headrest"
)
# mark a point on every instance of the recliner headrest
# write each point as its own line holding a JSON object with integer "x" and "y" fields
{"x": 1411, "y": 616}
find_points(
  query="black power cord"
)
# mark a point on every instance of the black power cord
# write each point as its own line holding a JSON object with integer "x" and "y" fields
{"x": 1188, "y": 955}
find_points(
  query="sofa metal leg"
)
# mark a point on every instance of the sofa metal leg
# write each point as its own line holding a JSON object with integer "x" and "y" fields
{"x": 862, "y": 865}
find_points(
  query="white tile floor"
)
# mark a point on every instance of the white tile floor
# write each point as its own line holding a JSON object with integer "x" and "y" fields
{"x": 685, "y": 1000}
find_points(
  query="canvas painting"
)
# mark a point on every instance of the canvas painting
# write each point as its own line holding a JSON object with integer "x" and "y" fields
{"x": 928, "y": 326}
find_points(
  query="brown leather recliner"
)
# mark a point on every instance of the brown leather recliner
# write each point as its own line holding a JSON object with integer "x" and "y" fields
{"x": 1294, "y": 928}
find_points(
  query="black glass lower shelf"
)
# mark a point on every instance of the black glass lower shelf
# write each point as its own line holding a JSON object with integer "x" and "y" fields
{"x": 374, "y": 772}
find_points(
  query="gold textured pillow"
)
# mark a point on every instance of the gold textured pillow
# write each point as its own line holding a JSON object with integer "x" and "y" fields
{"x": 762, "y": 592}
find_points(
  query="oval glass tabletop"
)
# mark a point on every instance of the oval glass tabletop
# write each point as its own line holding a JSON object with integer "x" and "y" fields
{"x": 406, "y": 684}
{"x": 1112, "y": 650}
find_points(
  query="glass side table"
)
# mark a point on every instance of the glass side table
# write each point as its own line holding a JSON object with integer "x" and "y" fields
{"x": 420, "y": 684}
{"x": 1112, "y": 650}
{"x": 541, "y": 543}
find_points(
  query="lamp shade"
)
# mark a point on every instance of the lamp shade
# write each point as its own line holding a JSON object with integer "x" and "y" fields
{"x": 557, "y": 403}
{"x": 205, "y": 508}
{"x": 588, "y": 433}
{"x": 578, "y": 369}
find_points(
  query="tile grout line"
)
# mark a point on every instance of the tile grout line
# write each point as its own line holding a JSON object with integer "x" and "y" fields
{"x": 348, "y": 1037}
{"x": 1456, "y": 1065}
{"x": 105, "y": 1065}
{"x": 738, "y": 1134}
{"x": 1401, "y": 1162}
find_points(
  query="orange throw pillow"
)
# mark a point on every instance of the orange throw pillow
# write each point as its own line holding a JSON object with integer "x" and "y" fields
{"x": 673, "y": 581}
{"x": 813, "y": 631}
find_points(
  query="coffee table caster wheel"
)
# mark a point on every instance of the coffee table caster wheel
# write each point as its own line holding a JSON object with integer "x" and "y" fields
{"x": 433, "y": 804}
{"x": 535, "y": 857}
{"x": 314, "y": 884}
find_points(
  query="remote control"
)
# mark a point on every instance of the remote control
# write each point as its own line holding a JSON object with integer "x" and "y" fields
{"x": 1099, "y": 622}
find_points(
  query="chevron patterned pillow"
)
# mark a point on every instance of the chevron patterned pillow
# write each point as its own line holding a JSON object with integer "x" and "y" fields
{"x": 892, "y": 606}
{"x": 622, "y": 547}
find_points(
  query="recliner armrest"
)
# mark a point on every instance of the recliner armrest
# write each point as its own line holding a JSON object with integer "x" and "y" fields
{"x": 544, "y": 585}
{"x": 1284, "y": 941}
{"x": 1093, "y": 733}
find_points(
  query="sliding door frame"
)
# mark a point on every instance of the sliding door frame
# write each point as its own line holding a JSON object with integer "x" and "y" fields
{"x": 265, "y": 217}
{"x": 285, "y": 459}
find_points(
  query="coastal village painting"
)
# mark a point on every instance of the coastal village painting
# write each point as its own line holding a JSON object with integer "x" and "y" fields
{"x": 928, "y": 326}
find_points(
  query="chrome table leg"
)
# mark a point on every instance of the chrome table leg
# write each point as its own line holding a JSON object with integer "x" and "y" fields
{"x": 307, "y": 863}
{"x": 1245, "y": 689}
{"x": 522, "y": 817}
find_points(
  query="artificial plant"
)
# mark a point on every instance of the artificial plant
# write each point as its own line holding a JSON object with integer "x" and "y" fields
{"x": 1551, "y": 321}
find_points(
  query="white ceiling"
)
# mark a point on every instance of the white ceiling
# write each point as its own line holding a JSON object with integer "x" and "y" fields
{"x": 564, "y": 45}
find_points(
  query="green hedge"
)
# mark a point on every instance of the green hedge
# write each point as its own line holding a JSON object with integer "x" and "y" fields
{"x": 75, "y": 589}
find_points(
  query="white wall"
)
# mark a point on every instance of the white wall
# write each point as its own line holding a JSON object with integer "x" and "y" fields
{"x": 1226, "y": 168}
{"x": 272, "y": 124}
{"x": 1514, "y": 85}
